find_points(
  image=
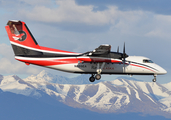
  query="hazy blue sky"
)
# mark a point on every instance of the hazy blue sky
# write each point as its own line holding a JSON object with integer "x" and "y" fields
{"x": 82, "y": 25}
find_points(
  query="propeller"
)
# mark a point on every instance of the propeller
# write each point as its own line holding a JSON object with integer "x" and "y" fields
{"x": 118, "y": 50}
{"x": 124, "y": 55}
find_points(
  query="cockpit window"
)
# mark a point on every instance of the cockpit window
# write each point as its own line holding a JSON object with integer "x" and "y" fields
{"x": 147, "y": 61}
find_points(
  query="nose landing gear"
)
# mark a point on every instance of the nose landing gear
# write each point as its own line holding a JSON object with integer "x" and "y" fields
{"x": 154, "y": 80}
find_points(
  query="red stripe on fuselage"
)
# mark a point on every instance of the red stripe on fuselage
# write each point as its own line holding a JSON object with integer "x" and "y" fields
{"x": 50, "y": 62}
{"x": 59, "y": 61}
{"x": 96, "y": 59}
{"x": 142, "y": 67}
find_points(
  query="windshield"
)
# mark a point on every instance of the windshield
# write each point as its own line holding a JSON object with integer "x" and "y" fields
{"x": 147, "y": 61}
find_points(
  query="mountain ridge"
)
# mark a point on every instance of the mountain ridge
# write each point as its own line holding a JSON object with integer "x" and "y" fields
{"x": 117, "y": 96}
{"x": 44, "y": 76}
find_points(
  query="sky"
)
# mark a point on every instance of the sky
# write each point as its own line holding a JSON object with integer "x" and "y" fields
{"x": 83, "y": 25}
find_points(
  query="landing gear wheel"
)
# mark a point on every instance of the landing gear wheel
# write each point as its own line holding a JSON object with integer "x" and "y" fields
{"x": 92, "y": 79}
{"x": 154, "y": 80}
{"x": 98, "y": 77}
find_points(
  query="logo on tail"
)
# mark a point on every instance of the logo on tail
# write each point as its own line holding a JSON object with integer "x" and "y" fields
{"x": 19, "y": 35}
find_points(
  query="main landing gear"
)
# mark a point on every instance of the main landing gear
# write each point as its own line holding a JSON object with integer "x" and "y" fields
{"x": 98, "y": 70}
{"x": 96, "y": 77}
{"x": 154, "y": 80}
{"x": 92, "y": 78}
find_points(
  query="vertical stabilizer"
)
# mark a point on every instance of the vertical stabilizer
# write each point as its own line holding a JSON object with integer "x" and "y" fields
{"x": 21, "y": 39}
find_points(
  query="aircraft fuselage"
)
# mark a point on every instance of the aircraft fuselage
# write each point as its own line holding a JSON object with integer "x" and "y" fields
{"x": 99, "y": 61}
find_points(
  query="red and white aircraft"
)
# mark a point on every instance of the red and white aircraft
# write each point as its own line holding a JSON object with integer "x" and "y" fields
{"x": 96, "y": 62}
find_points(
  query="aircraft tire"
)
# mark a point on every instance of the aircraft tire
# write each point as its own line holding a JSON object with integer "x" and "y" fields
{"x": 98, "y": 77}
{"x": 92, "y": 79}
{"x": 154, "y": 80}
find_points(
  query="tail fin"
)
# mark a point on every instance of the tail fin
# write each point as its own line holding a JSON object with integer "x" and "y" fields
{"x": 22, "y": 41}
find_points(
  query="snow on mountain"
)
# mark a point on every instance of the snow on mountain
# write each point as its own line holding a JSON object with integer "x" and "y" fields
{"x": 43, "y": 77}
{"x": 167, "y": 100}
{"x": 119, "y": 95}
{"x": 167, "y": 85}
{"x": 109, "y": 96}
{"x": 16, "y": 85}
{"x": 154, "y": 89}
{"x": 49, "y": 77}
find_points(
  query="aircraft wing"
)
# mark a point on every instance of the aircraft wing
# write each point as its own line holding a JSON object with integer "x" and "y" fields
{"x": 100, "y": 54}
{"x": 101, "y": 50}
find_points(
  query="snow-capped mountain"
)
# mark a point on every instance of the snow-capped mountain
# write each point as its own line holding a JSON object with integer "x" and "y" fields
{"x": 16, "y": 85}
{"x": 117, "y": 96}
{"x": 49, "y": 77}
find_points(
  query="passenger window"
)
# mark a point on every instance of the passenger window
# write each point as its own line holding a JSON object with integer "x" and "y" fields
{"x": 150, "y": 61}
{"x": 147, "y": 61}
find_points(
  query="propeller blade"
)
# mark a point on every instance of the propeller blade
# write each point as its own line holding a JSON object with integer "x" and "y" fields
{"x": 124, "y": 49}
{"x": 118, "y": 50}
{"x": 124, "y": 54}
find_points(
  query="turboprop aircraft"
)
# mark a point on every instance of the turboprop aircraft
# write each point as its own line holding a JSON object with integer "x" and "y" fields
{"x": 99, "y": 61}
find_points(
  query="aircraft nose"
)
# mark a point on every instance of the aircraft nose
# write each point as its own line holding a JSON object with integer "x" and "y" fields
{"x": 162, "y": 71}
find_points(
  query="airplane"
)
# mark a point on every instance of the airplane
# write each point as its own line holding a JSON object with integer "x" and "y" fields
{"x": 97, "y": 62}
